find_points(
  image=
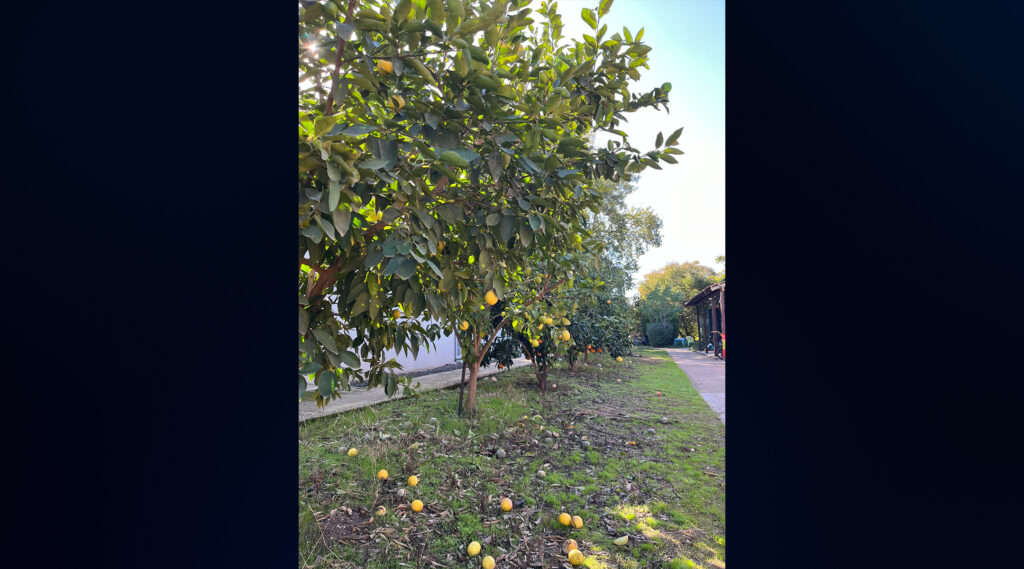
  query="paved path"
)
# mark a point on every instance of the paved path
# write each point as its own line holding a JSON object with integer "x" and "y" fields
{"x": 360, "y": 397}
{"x": 706, "y": 373}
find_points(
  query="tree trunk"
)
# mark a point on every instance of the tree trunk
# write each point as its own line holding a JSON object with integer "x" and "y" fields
{"x": 462, "y": 386}
{"x": 474, "y": 369}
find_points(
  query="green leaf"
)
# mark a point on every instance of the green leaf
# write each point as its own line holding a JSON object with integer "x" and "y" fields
{"x": 323, "y": 124}
{"x": 334, "y": 195}
{"x": 349, "y": 359}
{"x": 493, "y": 219}
{"x": 508, "y": 228}
{"x": 525, "y": 235}
{"x": 326, "y": 339}
{"x": 313, "y": 232}
{"x": 325, "y": 226}
{"x": 394, "y": 264}
{"x": 535, "y": 222}
{"x": 466, "y": 154}
{"x": 325, "y": 383}
{"x": 342, "y": 221}
{"x": 310, "y": 367}
{"x": 523, "y": 204}
{"x": 453, "y": 158}
{"x": 374, "y": 164}
{"x": 303, "y": 320}
{"x": 589, "y": 18}
{"x": 450, "y": 213}
{"x": 658, "y": 141}
{"x": 603, "y": 7}
{"x": 672, "y": 138}
{"x": 407, "y": 269}
{"x": 302, "y": 387}
{"x": 354, "y": 130}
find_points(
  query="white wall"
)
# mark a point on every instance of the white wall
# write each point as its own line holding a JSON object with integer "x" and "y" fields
{"x": 442, "y": 353}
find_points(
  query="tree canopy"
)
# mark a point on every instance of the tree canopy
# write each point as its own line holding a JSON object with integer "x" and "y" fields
{"x": 444, "y": 155}
{"x": 663, "y": 293}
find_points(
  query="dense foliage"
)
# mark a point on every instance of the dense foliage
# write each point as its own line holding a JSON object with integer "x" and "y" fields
{"x": 443, "y": 155}
{"x": 664, "y": 292}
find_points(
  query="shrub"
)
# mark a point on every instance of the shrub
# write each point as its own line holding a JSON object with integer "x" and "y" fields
{"x": 660, "y": 333}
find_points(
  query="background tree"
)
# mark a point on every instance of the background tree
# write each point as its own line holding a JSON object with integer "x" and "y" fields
{"x": 664, "y": 292}
{"x": 442, "y": 146}
{"x": 604, "y": 317}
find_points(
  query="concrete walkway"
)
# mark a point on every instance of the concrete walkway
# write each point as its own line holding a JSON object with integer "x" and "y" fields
{"x": 361, "y": 397}
{"x": 706, "y": 373}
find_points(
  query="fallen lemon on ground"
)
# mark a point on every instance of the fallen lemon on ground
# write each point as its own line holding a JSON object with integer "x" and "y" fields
{"x": 384, "y": 65}
{"x": 506, "y": 504}
{"x": 577, "y": 522}
{"x": 490, "y": 298}
{"x": 382, "y": 475}
{"x": 564, "y": 519}
{"x": 473, "y": 549}
{"x": 381, "y": 510}
{"x": 569, "y": 545}
{"x": 488, "y": 562}
{"x": 621, "y": 540}
{"x": 352, "y": 452}
{"x": 417, "y": 505}
{"x": 413, "y": 480}
{"x": 575, "y": 557}
{"x": 618, "y": 358}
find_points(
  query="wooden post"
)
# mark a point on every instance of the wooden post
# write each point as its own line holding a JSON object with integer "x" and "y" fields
{"x": 721, "y": 304}
{"x": 714, "y": 324}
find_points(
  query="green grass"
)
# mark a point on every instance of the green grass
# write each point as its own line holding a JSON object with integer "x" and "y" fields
{"x": 674, "y": 510}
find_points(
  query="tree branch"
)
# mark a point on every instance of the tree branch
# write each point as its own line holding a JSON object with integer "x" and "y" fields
{"x": 337, "y": 60}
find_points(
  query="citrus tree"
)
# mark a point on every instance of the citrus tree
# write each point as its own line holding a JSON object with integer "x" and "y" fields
{"x": 442, "y": 146}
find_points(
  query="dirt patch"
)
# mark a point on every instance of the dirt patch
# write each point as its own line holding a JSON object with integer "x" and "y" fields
{"x": 344, "y": 525}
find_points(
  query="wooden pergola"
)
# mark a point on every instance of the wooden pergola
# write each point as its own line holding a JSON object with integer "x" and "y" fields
{"x": 710, "y": 306}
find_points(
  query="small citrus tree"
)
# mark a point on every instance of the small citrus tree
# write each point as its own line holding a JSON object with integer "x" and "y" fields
{"x": 442, "y": 145}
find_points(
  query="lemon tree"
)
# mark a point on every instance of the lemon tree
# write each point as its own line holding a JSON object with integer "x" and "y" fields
{"x": 442, "y": 146}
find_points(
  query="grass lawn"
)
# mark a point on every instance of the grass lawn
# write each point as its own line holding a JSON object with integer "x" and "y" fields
{"x": 666, "y": 491}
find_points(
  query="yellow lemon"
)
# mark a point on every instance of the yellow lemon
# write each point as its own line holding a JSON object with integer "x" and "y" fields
{"x": 577, "y": 522}
{"x": 564, "y": 519}
{"x": 417, "y": 505}
{"x": 352, "y": 452}
{"x": 618, "y": 358}
{"x": 382, "y": 475}
{"x": 384, "y": 65}
{"x": 473, "y": 549}
{"x": 413, "y": 480}
{"x": 396, "y": 313}
{"x": 569, "y": 545}
{"x": 488, "y": 562}
{"x": 621, "y": 540}
{"x": 609, "y": 302}
{"x": 575, "y": 557}
{"x": 566, "y": 336}
{"x": 381, "y": 510}
{"x": 464, "y": 325}
{"x": 506, "y": 504}
{"x": 534, "y": 343}
{"x": 396, "y": 102}
{"x": 490, "y": 298}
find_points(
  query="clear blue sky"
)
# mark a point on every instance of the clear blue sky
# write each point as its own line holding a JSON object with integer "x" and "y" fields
{"x": 687, "y": 38}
